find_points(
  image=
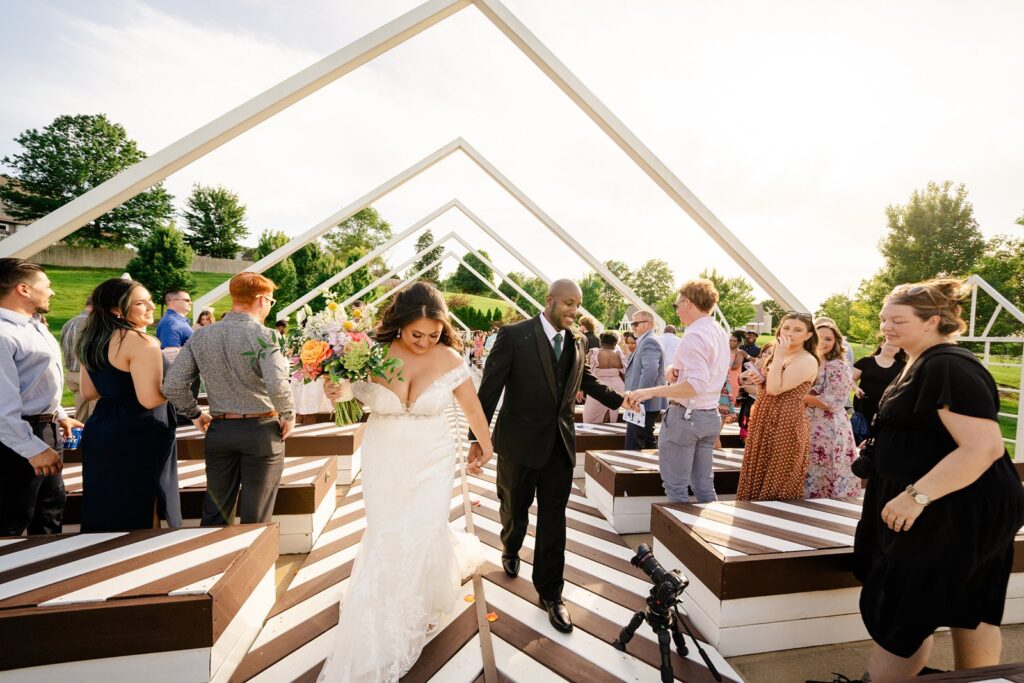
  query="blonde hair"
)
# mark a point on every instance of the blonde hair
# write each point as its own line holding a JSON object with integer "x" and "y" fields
{"x": 246, "y": 286}
{"x": 701, "y": 292}
{"x": 940, "y": 296}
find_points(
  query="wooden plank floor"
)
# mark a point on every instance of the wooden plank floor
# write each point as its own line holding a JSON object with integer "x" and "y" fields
{"x": 602, "y": 589}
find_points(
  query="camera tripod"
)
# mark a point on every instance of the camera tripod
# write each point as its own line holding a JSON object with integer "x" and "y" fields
{"x": 663, "y": 621}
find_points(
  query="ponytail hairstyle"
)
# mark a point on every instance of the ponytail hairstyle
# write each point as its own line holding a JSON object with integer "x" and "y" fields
{"x": 100, "y": 325}
{"x": 941, "y": 296}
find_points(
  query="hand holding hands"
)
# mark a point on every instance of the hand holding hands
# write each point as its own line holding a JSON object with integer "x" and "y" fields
{"x": 477, "y": 458}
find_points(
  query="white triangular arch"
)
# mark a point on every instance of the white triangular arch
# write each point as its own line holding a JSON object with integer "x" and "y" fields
{"x": 154, "y": 169}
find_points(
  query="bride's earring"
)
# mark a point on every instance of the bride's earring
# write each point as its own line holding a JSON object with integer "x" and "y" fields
{"x": 399, "y": 334}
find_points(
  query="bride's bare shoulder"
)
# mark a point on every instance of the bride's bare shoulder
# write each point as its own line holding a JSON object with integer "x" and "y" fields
{"x": 447, "y": 357}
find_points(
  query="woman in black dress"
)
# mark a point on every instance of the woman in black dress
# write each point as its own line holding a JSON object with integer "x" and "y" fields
{"x": 873, "y": 374}
{"x": 129, "y": 456}
{"x": 934, "y": 546}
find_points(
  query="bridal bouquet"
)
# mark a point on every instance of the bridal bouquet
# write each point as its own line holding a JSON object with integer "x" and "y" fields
{"x": 338, "y": 346}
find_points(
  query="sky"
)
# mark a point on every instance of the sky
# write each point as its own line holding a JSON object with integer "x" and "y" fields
{"x": 796, "y": 123}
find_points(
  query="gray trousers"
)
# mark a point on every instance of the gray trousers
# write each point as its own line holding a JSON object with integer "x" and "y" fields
{"x": 685, "y": 450}
{"x": 247, "y": 453}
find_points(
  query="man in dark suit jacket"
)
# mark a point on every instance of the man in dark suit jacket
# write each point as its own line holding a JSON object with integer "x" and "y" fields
{"x": 540, "y": 365}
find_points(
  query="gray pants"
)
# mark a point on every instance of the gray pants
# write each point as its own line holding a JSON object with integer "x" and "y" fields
{"x": 685, "y": 448}
{"x": 247, "y": 453}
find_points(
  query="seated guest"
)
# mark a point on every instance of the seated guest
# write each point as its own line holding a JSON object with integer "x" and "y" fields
{"x": 692, "y": 423}
{"x": 250, "y": 402}
{"x": 934, "y": 546}
{"x": 607, "y": 363}
{"x": 205, "y": 318}
{"x": 129, "y": 456}
{"x": 645, "y": 369}
{"x": 32, "y": 423}
{"x": 832, "y": 447}
{"x": 778, "y": 438}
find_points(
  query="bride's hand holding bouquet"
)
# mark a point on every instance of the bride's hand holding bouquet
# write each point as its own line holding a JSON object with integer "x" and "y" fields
{"x": 338, "y": 347}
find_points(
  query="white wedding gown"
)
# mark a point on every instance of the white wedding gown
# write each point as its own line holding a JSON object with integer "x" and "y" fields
{"x": 408, "y": 573}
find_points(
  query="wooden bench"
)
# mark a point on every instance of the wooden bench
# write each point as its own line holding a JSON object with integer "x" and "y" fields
{"x": 775, "y": 575}
{"x": 624, "y": 485}
{"x": 305, "y": 499}
{"x": 160, "y": 605}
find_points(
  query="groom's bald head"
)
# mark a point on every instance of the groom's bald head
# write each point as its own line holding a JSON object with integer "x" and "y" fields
{"x": 563, "y": 303}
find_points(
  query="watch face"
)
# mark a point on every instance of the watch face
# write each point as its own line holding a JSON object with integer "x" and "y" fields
{"x": 921, "y": 499}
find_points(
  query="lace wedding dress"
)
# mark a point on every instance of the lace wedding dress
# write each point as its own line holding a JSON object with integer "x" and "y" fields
{"x": 408, "y": 573}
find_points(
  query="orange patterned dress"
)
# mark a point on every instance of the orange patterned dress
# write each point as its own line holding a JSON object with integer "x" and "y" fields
{"x": 775, "y": 459}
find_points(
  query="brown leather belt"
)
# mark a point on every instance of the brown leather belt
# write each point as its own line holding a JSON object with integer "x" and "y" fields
{"x": 40, "y": 419}
{"x": 245, "y": 416}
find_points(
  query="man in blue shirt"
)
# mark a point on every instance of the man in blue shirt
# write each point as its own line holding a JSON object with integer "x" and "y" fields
{"x": 32, "y": 423}
{"x": 174, "y": 330}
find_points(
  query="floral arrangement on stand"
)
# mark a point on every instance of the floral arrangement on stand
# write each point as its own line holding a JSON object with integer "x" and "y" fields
{"x": 338, "y": 346}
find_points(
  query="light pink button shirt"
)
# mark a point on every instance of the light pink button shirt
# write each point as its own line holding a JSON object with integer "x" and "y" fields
{"x": 702, "y": 359}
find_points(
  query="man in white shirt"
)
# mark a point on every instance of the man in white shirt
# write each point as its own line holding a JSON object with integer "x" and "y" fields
{"x": 669, "y": 342}
{"x": 697, "y": 375}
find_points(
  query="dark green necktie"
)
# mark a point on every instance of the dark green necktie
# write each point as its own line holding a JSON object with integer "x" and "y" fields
{"x": 558, "y": 347}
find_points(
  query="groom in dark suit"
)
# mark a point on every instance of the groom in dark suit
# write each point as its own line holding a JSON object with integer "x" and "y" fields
{"x": 540, "y": 365}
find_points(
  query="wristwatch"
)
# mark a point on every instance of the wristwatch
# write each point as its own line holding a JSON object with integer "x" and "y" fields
{"x": 919, "y": 498}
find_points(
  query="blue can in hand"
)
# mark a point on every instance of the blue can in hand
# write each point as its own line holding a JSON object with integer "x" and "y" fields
{"x": 72, "y": 441}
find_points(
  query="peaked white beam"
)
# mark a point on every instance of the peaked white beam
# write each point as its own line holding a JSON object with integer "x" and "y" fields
{"x": 150, "y": 171}
{"x": 628, "y": 142}
{"x": 397, "y": 269}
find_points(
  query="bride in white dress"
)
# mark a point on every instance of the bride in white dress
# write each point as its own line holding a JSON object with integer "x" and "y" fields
{"x": 408, "y": 573}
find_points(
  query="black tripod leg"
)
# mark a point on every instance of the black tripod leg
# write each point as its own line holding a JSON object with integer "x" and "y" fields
{"x": 666, "y": 657}
{"x": 677, "y": 635}
{"x": 626, "y": 634}
{"x": 700, "y": 650}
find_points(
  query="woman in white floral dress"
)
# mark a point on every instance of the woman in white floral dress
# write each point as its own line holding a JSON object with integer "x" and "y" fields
{"x": 832, "y": 444}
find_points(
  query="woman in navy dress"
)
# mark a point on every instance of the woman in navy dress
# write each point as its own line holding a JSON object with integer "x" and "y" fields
{"x": 129, "y": 456}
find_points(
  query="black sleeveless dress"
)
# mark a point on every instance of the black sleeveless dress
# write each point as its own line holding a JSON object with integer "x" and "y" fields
{"x": 952, "y": 567}
{"x": 129, "y": 459}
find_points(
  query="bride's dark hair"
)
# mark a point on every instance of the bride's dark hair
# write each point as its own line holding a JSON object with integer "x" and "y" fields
{"x": 418, "y": 300}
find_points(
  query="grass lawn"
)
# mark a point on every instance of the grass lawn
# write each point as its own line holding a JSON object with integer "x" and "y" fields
{"x": 482, "y": 303}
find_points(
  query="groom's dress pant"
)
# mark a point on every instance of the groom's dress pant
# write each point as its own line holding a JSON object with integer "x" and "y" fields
{"x": 551, "y": 484}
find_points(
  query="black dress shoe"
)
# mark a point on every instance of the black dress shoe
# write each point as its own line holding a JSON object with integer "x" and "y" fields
{"x": 558, "y": 614}
{"x": 510, "y": 563}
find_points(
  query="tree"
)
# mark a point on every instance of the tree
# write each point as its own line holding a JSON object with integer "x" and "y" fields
{"x": 164, "y": 262}
{"x": 1002, "y": 266}
{"x": 215, "y": 221}
{"x": 935, "y": 233}
{"x": 615, "y": 301}
{"x": 313, "y": 265}
{"x": 866, "y": 306}
{"x": 282, "y": 273}
{"x": 362, "y": 232}
{"x": 464, "y": 281}
{"x": 839, "y": 307}
{"x": 533, "y": 286}
{"x": 653, "y": 281}
{"x": 735, "y": 297}
{"x": 772, "y": 307}
{"x": 666, "y": 308}
{"x": 422, "y": 242}
{"x": 69, "y": 157}
{"x": 592, "y": 287}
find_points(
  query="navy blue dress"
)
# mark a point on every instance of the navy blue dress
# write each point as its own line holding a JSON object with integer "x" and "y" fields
{"x": 129, "y": 459}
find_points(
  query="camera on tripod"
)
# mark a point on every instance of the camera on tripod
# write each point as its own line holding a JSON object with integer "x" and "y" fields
{"x": 662, "y": 614}
{"x": 668, "y": 585}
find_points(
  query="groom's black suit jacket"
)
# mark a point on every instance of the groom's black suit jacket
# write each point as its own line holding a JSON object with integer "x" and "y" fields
{"x": 537, "y": 413}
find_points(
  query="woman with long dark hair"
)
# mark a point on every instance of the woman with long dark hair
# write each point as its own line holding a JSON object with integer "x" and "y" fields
{"x": 874, "y": 374}
{"x": 129, "y": 457}
{"x": 775, "y": 460}
{"x": 410, "y": 564}
{"x": 934, "y": 545}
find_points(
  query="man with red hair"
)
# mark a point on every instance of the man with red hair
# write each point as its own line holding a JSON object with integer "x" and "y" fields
{"x": 251, "y": 411}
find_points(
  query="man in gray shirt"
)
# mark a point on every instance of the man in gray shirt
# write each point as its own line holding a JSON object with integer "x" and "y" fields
{"x": 251, "y": 411}
{"x": 68, "y": 347}
{"x": 32, "y": 423}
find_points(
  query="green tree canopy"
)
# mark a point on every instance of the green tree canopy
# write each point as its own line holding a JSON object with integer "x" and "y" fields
{"x": 214, "y": 221}
{"x": 464, "y": 281}
{"x": 533, "y": 286}
{"x": 71, "y": 156}
{"x": 839, "y": 307}
{"x": 361, "y": 233}
{"x": 282, "y": 273}
{"x": 163, "y": 262}
{"x": 735, "y": 297}
{"x": 615, "y": 302}
{"x": 1002, "y": 266}
{"x": 593, "y": 286}
{"x": 313, "y": 266}
{"x": 422, "y": 242}
{"x": 652, "y": 281}
{"x": 935, "y": 233}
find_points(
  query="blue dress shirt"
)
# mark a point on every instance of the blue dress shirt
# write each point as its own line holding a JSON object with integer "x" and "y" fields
{"x": 173, "y": 330}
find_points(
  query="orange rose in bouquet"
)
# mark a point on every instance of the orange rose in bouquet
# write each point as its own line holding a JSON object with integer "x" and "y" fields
{"x": 312, "y": 356}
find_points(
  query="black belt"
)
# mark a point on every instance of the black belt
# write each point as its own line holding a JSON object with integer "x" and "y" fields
{"x": 40, "y": 419}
